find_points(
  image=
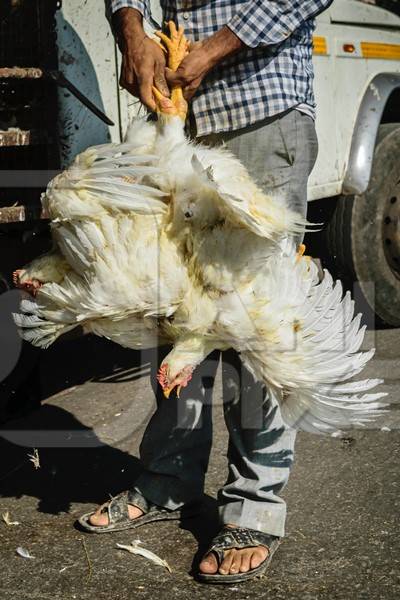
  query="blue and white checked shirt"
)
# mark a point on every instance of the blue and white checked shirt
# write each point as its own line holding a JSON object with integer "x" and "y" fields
{"x": 273, "y": 74}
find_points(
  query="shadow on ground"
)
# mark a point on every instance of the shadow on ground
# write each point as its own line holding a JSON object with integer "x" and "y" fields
{"x": 41, "y": 374}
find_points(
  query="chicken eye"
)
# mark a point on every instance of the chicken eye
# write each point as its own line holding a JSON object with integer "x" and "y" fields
{"x": 188, "y": 214}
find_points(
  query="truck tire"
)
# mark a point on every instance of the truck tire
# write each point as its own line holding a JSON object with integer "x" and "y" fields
{"x": 363, "y": 234}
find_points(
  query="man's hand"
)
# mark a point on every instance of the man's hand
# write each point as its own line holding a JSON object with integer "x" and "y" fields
{"x": 203, "y": 57}
{"x": 143, "y": 60}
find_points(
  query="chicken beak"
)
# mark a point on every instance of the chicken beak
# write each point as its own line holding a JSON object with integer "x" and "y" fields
{"x": 300, "y": 251}
{"x": 167, "y": 391}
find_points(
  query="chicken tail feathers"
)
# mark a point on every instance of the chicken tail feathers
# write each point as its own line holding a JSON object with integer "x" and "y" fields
{"x": 316, "y": 413}
{"x": 310, "y": 351}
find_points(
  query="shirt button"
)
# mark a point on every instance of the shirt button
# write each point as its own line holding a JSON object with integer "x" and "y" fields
{"x": 185, "y": 16}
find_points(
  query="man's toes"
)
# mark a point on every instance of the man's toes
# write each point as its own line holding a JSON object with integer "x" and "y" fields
{"x": 257, "y": 557}
{"x": 134, "y": 511}
{"x": 236, "y": 562}
{"x": 98, "y": 519}
{"x": 245, "y": 562}
{"x": 227, "y": 562}
{"x": 209, "y": 564}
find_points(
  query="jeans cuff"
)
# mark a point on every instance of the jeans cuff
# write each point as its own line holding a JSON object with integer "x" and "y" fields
{"x": 263, "y": 516}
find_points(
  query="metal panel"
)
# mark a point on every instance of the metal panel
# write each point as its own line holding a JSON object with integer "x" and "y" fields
{"x": 87, "y": 57}
{"x": 324, "y": 177}
{"x": 339, "y": 94}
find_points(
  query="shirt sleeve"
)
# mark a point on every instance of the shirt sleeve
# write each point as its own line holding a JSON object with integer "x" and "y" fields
{"x": 143, "y": 6}
{"x": 264, "y": 22}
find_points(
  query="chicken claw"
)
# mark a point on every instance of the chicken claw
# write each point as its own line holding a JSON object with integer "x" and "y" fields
{"x": 178, "y": 47}
{"x": 176, "y": 44}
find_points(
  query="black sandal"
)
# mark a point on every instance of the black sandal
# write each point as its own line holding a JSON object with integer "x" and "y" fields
{"x": 118, "y": 515}
{"x": 239, "y": 537}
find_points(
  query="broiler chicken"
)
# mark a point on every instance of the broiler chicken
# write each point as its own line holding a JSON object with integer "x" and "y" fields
{"x": 162, "y": 240}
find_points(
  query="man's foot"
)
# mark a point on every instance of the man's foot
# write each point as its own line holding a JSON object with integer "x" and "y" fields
{"x": 235, "y": 560}
{"x": 100, "y": 518}
{"x": 128, "y": 510}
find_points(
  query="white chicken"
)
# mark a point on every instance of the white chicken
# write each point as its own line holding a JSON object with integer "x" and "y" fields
{"x": 161, "y": 240}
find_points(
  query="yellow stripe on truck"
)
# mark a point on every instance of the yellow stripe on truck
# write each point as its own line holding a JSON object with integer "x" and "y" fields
{"x": 377, "y": 50}
{"x": 319, "y": 45}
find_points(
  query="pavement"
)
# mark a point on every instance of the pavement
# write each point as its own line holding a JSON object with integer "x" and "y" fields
{"x": 343, "y": 495}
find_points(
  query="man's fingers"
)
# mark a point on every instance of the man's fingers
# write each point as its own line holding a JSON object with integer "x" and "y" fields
{"x": 175, "y": 78}
{"x": 190, "y": 90}
{"x": 131, "y": 88}
{"x": 160, "y": 81}
{"x": 146, "y": 93}
{"x": 128, "y": 81}
{"x": 178, "y": 79}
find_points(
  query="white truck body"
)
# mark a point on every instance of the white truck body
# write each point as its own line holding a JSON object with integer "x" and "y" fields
{"x": 342, "y": 80}
{"x": 356, "y": 44}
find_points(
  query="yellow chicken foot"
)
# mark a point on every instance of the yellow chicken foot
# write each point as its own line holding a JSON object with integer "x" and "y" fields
{"x": 177, "y": 46}
{"x": 164, "y": 105}
{"x": 174, "y": 106}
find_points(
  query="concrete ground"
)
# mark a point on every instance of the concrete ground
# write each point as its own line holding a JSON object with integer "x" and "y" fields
{"x": 343, "y": 497}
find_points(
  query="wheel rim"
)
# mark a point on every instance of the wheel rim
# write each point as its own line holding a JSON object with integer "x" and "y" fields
{"x": 391, "y": 230}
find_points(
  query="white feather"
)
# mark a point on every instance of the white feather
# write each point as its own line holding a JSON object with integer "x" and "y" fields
{"x": 161, "y": 240}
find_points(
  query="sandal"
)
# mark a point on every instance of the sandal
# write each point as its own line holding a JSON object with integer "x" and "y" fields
{"x": 118, "y": 516}
{"x": 239, "y": 537}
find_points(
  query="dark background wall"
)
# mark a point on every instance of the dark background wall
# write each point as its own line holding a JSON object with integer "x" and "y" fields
{"x": 392, "y": 5}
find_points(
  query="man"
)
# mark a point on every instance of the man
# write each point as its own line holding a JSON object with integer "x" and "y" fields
{"x": 249, "y": 79}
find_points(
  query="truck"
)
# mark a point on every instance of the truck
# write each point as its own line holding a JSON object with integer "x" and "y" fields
{"x": 354, "y": 189}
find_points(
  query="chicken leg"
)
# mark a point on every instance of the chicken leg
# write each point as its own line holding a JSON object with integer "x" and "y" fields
{"x": 177, "y": 47}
